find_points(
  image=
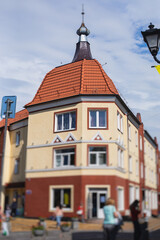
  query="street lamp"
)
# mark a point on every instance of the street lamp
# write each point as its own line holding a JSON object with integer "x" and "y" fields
{"x": 152, "y": 37}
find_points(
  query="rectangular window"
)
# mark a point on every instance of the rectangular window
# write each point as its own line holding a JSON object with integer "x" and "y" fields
{"x": 137, "y": 168}
{"x": 120, "y": 158}
{"x": 61, "y": 196}
{"x": 131, "y": 194}
{"x": 130, "y": 164}
{"x": 129, "y": 131}
{"x": 119, "y": 122}
{"x": 97, "y": 156}
{"x": 65, "y": 121}
{"x": 64, "y": 157}
{"x": 137, "y": 193}
{"x": 120, "y": 199}
{"x": 121, "y": 119}
{"x": 97, "y": 118}
{"x": 17, "y": 138}
{"x": 16, "y": 166}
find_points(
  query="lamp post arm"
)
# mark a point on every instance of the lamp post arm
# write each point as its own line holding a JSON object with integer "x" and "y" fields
{"x": 156, "y": 59}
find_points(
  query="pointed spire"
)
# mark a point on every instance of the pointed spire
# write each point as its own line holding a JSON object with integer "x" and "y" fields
{"x": 83, "y": 47}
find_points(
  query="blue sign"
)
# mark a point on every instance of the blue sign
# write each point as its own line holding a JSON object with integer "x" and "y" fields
{"x": 11, "y": 102}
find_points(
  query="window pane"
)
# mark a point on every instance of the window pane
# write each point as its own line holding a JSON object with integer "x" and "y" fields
{"x": 102, "y": 158}
{"x": 17, "y": 138}
{"x": 73, "y": 120}
{"x": 64, "y": 157}
{"x": 67, "y": 198}
{"x": 66, "y": 121}
{"x": 92, "y": 158}
{"x": 59, "y": 122}
{"x": 72, "y": 159}
{"x": 65, "y": 160}
{"x": 57, "y": 200}
{"x": 67, "y": 150}
{"x": 92, "y": 118}
{"x": 58, "y": 161}
{"x": 102, "y": 118}
{"x": 16, "y": 166}
{"x": 97, "y": 149}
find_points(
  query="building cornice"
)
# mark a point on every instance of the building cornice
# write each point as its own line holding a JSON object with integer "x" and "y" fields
{"x": 87, "y": 98}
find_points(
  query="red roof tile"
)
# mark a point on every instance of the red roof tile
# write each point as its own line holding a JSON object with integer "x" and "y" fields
{"x": 23, "y": 114}
{"x": 81, "y": 77}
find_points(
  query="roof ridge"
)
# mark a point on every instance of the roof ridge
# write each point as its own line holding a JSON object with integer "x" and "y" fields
{"x": 99, "y": 65}
{"x": 82, "y": 77}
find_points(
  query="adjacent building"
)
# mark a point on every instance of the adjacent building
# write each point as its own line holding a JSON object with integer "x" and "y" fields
{"x": 78, "y": 142}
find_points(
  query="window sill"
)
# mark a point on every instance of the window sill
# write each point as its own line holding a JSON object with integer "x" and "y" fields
{"x": 98, "y": 128}
{"x": 68, "y": 130}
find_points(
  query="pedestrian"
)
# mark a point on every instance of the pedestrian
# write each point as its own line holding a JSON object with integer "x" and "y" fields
{"x": 5, "y": 225}
{"x": 109, "y": 225}
{"x": 8, "y": 212}
{"x": 59, "y": 214}
{"x": 14, "y": 207}
{"x": 80, "y": 213}
{"x": 135, "y": 211}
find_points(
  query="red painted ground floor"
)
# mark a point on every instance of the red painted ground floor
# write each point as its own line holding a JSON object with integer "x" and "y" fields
{"x": 43, "y": 195}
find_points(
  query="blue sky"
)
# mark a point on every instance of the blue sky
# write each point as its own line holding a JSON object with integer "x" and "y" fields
{"x": 38, "y": 35}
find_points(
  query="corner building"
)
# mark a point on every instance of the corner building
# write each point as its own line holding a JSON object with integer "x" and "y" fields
{"x": 84, "y": 144}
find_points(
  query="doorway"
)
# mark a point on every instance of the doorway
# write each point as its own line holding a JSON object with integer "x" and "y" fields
{"x": 97, "y": 199}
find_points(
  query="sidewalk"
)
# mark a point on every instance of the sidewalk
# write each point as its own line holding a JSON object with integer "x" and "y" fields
{"x": 21, "y": 230}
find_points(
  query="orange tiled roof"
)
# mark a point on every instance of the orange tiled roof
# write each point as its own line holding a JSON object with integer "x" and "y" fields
{"x": 18, "y": 117}
{"x": 81, "y": 77}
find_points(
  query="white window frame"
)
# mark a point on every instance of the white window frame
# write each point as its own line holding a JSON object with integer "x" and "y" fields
{"x": 137, "y": 168}
{"x": 61, "y": 188}
{"x": 97, "y": 154}
{"x": 129, "y": 131}
{"x": 17, "y": 138}
{"x": 137, "y": 193}
{"x": 70, "y": 121}
{"x": 120, "y": 192}
{"x": 62, "y": 155}
{"x": 119, "y": 122}
{"x": 130, "y": 164}
{"x": 97, "y": 118}
{"x": 120, "y": 158}
{"x": 131, "y": 194}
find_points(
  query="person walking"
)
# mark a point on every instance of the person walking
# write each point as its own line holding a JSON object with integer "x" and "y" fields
{"x": 135, "y": 211}
{"x": 109, "y": 225}
{"x": 14, "y": 207}
{"x": 59, "y": 214}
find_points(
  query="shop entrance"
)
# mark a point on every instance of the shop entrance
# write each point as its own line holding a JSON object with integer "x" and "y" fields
{"x": 97, "y": 199}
